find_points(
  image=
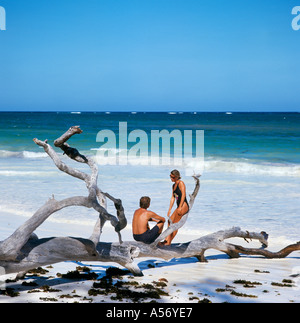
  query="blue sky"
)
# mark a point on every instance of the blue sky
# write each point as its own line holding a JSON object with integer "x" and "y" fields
{"x": 149, "y": 55}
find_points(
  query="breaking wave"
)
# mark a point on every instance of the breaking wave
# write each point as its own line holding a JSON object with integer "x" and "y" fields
{"x": 22, "y": 154}
{"x": 252, "y": 168}
{"x": 211, "y": 164}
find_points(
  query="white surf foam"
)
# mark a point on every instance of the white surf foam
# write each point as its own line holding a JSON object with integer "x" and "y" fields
{"x": 22, "y": 154}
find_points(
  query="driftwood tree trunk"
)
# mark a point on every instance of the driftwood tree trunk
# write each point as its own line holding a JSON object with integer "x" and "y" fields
{"x": 23, "y": 250}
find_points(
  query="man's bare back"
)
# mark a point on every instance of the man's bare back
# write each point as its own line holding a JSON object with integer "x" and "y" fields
{"x": 140, "y": 223}
{"x": 141, "y": 218}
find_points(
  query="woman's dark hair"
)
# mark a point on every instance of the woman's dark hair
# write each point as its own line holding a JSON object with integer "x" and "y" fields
{"x": 176, "y": 173}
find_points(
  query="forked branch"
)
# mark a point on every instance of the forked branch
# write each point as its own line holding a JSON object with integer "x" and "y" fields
{"x": 96, "y": 197}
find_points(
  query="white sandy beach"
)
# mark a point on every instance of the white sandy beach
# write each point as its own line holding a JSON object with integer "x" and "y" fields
{"x": 187, "y": 281}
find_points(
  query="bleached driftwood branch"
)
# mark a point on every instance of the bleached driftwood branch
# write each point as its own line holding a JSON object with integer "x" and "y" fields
{"x": 10, "y": 247}
{"x": 197, "y": 247}
{"x": 38, "y": 252}
{"x": 23, "y": 250}
{"x": 96, "y": 198}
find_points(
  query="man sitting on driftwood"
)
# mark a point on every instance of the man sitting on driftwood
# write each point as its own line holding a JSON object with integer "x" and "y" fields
{"x": 140, "y": 226}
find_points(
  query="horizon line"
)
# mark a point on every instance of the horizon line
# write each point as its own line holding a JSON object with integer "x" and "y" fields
{"x": 141, "y": 111}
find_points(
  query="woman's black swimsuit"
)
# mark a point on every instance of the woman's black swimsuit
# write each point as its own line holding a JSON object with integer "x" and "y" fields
{"x": 178, "y": 195}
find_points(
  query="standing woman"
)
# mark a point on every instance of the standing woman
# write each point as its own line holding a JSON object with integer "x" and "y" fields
{"x": 178, "y": 194}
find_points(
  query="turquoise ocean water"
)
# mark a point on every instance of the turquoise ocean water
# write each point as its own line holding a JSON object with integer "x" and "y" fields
{"x": 250, "y": 179}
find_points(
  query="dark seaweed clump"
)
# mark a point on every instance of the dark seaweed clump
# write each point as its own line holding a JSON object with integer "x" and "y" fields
{"x": 123, "y": 289}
